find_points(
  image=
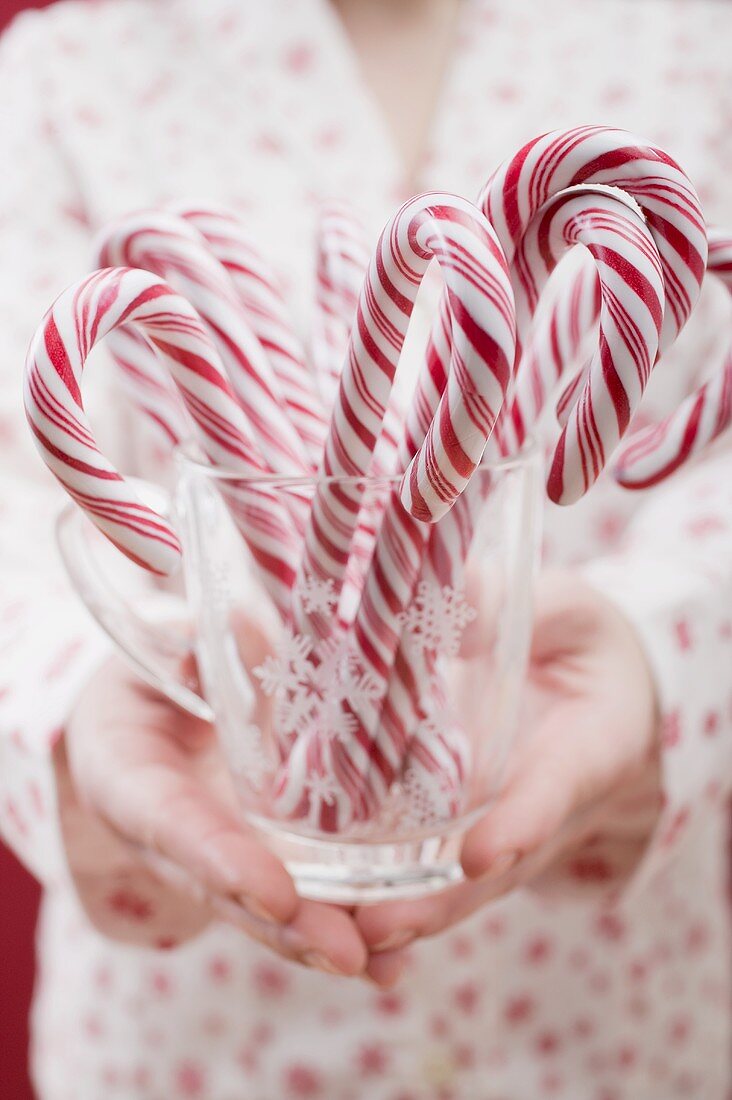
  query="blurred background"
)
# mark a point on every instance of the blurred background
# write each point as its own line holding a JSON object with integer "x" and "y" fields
{"x": 18, "y": 902}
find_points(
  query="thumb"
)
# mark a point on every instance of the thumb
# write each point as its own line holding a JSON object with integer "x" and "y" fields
{"x": 553, "y": 781}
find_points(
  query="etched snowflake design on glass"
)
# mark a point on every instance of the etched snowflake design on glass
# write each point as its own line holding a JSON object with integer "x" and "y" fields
{"x": 319, "y": 686}
{"x": 340, "y": 664}
{"x": 318, "y": 597}
{"x": 427, "y": 798}
{"x": 334, "y": 721}
{"x": 437, "y": 618}
{"x": 323, "y": 788}
{"x": 290, "y": 664}
{"x": 430, "y": 793}
{"x": 293, "y": 710}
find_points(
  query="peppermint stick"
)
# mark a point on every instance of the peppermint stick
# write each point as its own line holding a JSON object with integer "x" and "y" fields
{"x": 654, "y": 453}
{"x": 81, "y": 317}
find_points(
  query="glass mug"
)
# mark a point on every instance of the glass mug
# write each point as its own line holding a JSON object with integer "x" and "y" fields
{"x": 222, "y": 652}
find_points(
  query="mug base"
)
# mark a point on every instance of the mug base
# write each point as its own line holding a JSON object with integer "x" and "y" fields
{"x": 362, "y": 873}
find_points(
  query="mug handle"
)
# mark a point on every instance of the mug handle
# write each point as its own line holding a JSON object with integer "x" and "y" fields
{"x": 161, "y": 652}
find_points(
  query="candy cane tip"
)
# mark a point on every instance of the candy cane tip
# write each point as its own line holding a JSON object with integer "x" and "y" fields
{"x": 630, "y": 478}
{"x": 164, "y": 563}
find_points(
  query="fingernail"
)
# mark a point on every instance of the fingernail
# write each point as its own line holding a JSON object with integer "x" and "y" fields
{"x": 502, "y": 864}
{"x": 257, "y": 909}
{"x": 388, "y": 982}
{"x": 319, "y": 962}
{"x": 397, "y": 939}
{"x": 235, "y": 911}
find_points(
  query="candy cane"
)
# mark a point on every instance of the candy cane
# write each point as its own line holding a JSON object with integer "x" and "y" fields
{"x": 558, "y": 346}
{"x": 482, "y": 347}
{"x": 629, "y": 271}
{"x": 481, "y": 322}
{"x": 654, "y": 453}
{"x": 266, "y": 312}
{"x": 511, "y": 199}
{"x": 81, "y": 317}
{"x": 170, "y": 247}
{"x": 146, "y": 385}
{"x": 342, "y": 259}
{"x": 614, "y": 158}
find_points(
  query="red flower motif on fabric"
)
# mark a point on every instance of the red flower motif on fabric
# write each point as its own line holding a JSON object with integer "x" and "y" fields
{"x": 682, "y": 632}
{"x": 538, "y": 950}
{"x": 467, "y": 998}
{"x": 270, "y": 980}
{"x": 219, "y": 969}
{"x": 712, "y": 722}
{"x": 372, "y": 1060}
{"x": 547, "y": 1043}
{"x": 519, "y": 1009}
{"x": 462, "y": 946}
{"x": 126, "y": 903}
{"x": 161, "y": 983}
{"x": 671, "y": 730}
{"x": 190, "y": 1080}
{"x": 610, "y": 926}
{"x": 302, "y": 1082}
{"x": 300, "y": 58}
{"x": 390, "y": 1004}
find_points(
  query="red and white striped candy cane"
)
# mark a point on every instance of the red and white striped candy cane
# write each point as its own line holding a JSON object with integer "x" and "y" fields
{"x": 482, "y": 347}
{"x": 632, "y": 310}
{"x": 629, "y": 271}
{"x": 652, "y": 454}
{"x": 170, "y": 247}
{"x": 267, "y": 314}
{"x": 614, "y": 158}
{"x": 481, "y": 321}
{"x": 81, "y": 317}
{"x": 144, "y": 382}
{"x": 511, "y": 200}
{"x": 559, "y": 346}
{"x": 341, "y": 261}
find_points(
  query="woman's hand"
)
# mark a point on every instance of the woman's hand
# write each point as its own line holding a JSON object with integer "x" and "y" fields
{"x": 586, "y": 764}
{"x": 153, "y": 839}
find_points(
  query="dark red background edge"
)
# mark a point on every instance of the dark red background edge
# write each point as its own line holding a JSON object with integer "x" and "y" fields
{"x": 19, "y": 896}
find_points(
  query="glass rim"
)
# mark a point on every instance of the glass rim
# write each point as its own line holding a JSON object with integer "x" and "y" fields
{"x": 187, "y": 456}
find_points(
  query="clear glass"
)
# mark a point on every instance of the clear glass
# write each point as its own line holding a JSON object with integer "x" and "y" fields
{"x": 269, "y": 680}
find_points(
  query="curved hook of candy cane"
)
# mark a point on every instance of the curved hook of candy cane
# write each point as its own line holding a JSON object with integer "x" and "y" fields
{"x": 78, "y": 320}
{"x": 173, "y": 249}
{"x": 559, "y": 346}
{"x": 452, "y": 231}
{"x": 480, "y": 314}
{"x": 654, "y": 453}
{"x": 147, "y": 387}
{"x": 614, "y": 158}
{"x": 265, "y": 308}
{"x": 631, "y": 315}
